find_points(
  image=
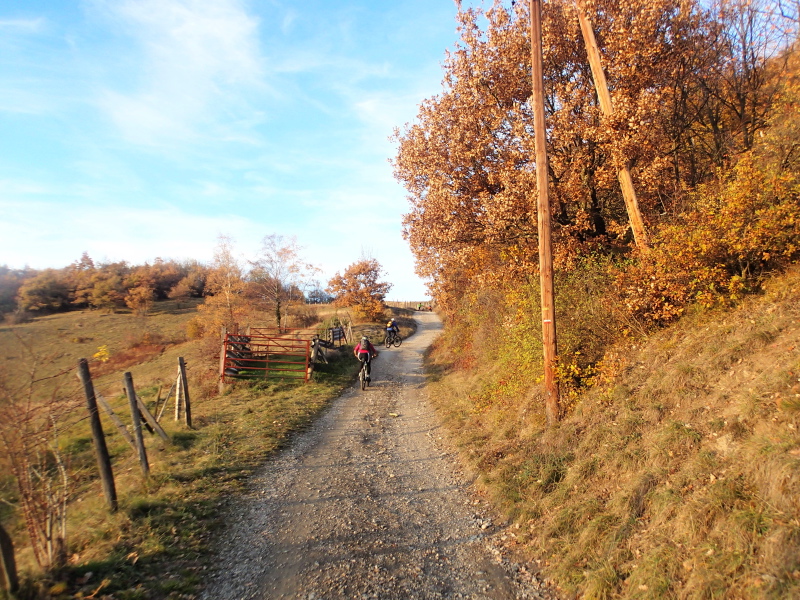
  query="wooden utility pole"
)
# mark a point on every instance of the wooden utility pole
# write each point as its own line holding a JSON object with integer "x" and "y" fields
{"x": 100, "y": 448}
{"x": 543, "y": 219}
{"x": 604, "y": 97}
{"x": 137, "y": 424}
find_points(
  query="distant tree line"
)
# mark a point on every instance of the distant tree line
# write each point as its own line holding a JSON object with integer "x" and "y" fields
{"x": 276, "y": 279}
{"x": 108, "y": 285}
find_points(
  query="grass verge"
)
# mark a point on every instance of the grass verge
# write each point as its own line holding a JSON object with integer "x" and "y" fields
{"x": 157, "y": 545}
{"x": 678, "y": 478}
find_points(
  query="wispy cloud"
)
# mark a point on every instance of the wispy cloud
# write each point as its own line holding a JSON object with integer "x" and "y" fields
{"x": 22, "y": 25}
{"x": 198, "y": 60}
{"x": 289, "y": 19}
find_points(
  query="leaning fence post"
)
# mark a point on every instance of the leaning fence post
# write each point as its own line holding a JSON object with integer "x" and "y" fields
{"x": 164, "y": 406}
{"x": 115, "y": 419}
{"x": 158, "y": 398}
{"x": 187, "y": 404}
{"x": 151, "y": 420}
{"x": 8, "y": 566}
{"x": 137, "y": 424}
{"x": 100, "y": 448}
{"x": 178, "y": 396}
{"x": 222, "y": 356}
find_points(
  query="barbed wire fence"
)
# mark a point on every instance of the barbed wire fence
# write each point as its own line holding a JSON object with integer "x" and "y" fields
{"x": 36, "y": 414}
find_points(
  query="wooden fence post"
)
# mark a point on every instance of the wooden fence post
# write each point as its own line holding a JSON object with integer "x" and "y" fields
{"x": 100, "y": 448}
{"x": 166, "y": 400}
{"x": 8, "y": 566}
{"x": 151, "y": 420}
{"x": 187, "y": 404}
{"x": 115, "y": 419}
{"x": 178, "y": 396}
{"x": 309, "y": 363}
{"x": 158, "y": 398}
{"x": 221, "y": 383}
{"x": 137, "y": 424}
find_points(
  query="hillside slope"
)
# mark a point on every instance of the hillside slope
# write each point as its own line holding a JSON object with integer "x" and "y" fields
{"x": 679, "y": 477}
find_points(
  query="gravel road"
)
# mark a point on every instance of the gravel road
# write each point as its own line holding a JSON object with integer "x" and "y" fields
{"x": 369, "y": 503}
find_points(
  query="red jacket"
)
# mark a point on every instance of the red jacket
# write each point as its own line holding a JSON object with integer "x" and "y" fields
{"x": 370, "y": 348}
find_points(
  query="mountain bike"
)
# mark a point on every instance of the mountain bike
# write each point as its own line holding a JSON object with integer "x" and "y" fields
{"x": 392, "y": 337}
{"x": 362, "y": 375}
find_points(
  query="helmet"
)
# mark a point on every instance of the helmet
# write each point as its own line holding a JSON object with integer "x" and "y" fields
{"x": 364, "y": 340}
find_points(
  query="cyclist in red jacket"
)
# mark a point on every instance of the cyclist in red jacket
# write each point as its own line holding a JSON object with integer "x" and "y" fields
{"x": 365, "y": 351}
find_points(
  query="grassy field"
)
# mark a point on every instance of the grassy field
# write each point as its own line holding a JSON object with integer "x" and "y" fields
{"x": 157, "y": 544}
{"x": 677, "y": 478}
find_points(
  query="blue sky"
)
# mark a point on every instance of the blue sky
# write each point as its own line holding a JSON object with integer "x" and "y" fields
{"x": 133, "y": 129}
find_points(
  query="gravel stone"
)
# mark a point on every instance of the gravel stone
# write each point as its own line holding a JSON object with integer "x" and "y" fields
{"x": 366, "y": 504}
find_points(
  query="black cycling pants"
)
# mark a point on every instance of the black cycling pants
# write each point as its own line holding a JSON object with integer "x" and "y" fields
{"x": 362, "y": 356}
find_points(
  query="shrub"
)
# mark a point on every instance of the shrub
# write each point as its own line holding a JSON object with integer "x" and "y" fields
{"x": 737, "y": 232}
{"x": 195, "y": 328}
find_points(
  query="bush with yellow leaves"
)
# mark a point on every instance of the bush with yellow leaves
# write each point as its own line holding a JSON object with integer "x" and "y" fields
{"x": 737, "y": 232}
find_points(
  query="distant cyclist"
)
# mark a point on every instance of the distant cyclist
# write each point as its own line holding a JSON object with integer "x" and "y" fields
{"x": 392, "y": 326}
{"x": 365, "y": 351}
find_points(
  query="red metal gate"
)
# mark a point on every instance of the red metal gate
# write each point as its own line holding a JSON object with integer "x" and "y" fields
{"x": 259, "y": 356}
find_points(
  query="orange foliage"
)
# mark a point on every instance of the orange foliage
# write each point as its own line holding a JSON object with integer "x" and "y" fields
{"x": 358, "y": 287}
{"x": 736, "y": 233}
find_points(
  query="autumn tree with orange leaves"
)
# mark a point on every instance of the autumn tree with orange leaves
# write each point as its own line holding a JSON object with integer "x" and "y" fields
{"x": 694, "y": 87}
{"x": 226, "y": 303}
{"x": 359, "y": 287}
{"x": 467, "y": 161}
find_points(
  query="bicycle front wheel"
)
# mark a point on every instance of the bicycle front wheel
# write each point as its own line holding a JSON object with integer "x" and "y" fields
{"x": 397, "y": 341}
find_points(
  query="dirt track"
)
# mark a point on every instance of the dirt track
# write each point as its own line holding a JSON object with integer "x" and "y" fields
{"x": 368, "y": 505}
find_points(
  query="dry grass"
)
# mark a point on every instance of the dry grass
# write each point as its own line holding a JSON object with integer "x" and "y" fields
{"x": 679, "y": 479}
{"x": 156, "y": 545}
